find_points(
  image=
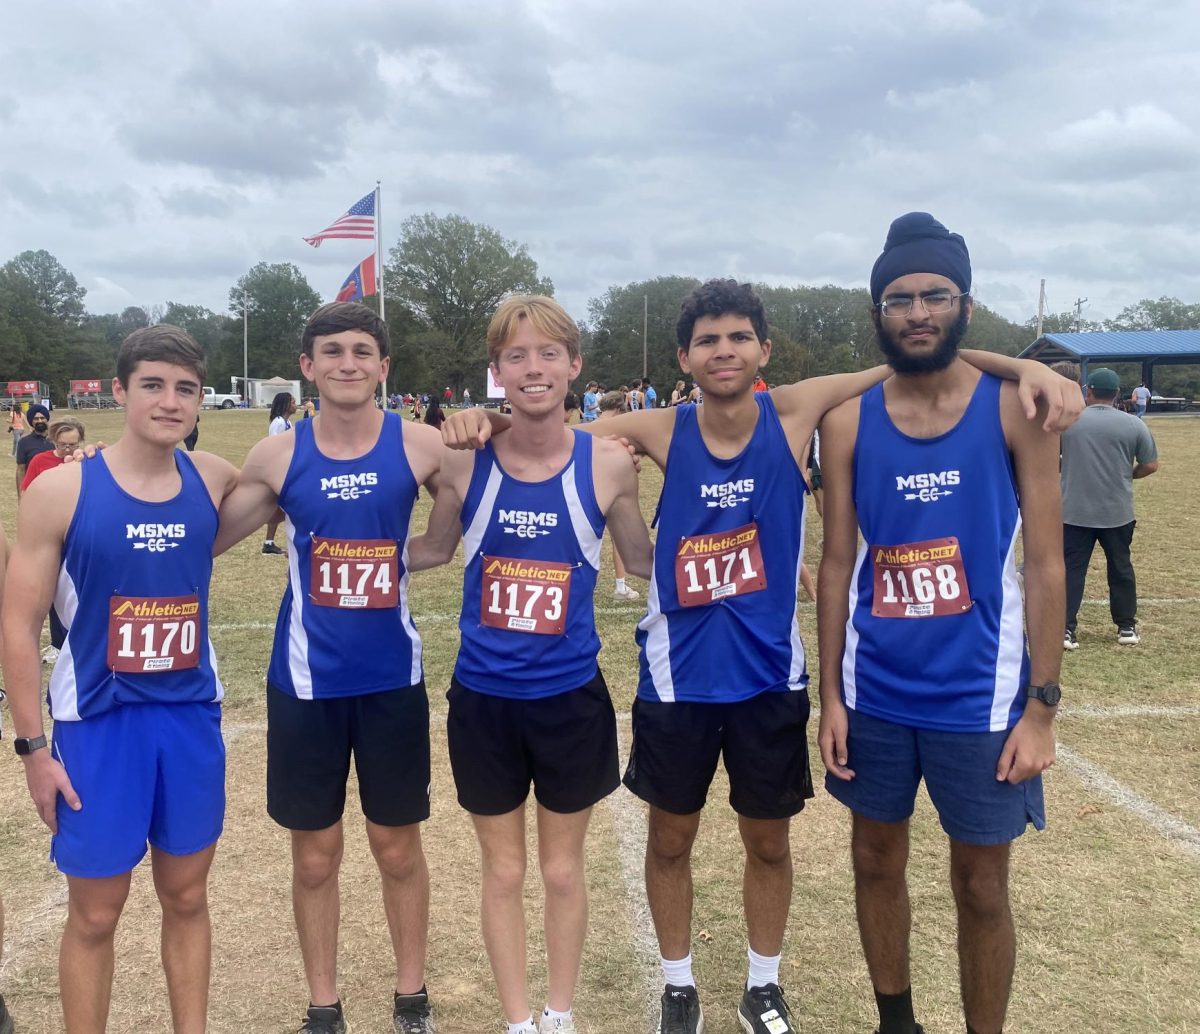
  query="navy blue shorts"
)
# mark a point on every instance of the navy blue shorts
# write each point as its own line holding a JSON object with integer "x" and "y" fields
{"x": 143, "y": 772}
{"x": 959, "y": 769}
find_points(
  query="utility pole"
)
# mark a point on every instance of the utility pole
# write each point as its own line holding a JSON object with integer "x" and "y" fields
{"x": 245, "y": 346}
{"x": 645, "y": 322}
{"x": 1079, "y": 313}
{"x": 1041, "y": 307}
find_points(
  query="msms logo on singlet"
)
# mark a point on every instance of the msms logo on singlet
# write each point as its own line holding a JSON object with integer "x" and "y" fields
{"x": 928, "y": 488}
{"x": 155, "y": 538}
{"x": 727, "y": 494}
{"x": 526, "y": 524}
{"x": 348, "y": 486}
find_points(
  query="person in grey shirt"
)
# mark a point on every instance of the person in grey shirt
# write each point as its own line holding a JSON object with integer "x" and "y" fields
{"x": 1102, "y": 453}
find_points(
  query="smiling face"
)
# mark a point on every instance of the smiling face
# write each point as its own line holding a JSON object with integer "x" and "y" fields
{"x": 921, "y": 341}
{"x": 346, "y": 368}
{"x": 724, "y": 355}
{"x": 161, "y": 400}
{"x": 534, "y": 371}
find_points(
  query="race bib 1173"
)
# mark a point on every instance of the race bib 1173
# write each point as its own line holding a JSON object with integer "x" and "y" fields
{"x": 525, "y": 595}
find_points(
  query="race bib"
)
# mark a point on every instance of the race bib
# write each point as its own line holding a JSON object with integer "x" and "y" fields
{"x": 920, "y": 580}
{"x": 719, "y": 565}
{"x": 525, "y": 595}
{"x": 149, "y": 634}
{"x": 358, "y": 574}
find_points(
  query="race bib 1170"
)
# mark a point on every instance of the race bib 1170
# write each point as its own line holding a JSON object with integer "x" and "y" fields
{"x": 148, "y": 634}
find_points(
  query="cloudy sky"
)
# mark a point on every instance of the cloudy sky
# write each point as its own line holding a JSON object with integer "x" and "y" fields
{"x": 159, "y": 150}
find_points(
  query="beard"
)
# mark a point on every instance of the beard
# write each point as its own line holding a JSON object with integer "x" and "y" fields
{"x": 935, "y": 361}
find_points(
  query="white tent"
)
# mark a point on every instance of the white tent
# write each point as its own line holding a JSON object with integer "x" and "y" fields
{"x": 263, "y": 392}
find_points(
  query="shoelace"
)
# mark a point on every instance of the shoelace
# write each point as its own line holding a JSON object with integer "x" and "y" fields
{"x": 771, "y": 997}
{"x": 677, "y": 1009}
{"x": 412, "y": 1021}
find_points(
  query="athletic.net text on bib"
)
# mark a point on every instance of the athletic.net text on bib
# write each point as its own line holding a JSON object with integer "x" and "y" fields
{"x": 149, "y": 634}
{"x": 354, "y": 573}
{"x": 719, "y": 565}
{"x": 525, "y": 595}
{"x": 920, "y": 580}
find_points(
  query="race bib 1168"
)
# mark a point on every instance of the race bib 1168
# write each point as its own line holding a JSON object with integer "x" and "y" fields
{"x": 920, "y": 580}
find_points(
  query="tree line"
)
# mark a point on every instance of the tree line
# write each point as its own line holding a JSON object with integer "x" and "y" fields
{"x": 443, "y": 279}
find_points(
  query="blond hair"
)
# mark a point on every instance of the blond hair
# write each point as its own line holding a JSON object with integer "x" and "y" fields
{"x": 67, "y": 423}
{"x": 546, "y": 315}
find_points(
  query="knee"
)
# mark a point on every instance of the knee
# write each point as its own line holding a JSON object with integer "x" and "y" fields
{"x": 773, "y": 849}
{"x": 399, "y": 860}
{"x": 981, "y": 891}
{"x": 184, "y": 902}
{"x": 94, "y": 921}
{"x": 504, "y": 875}
{"x": 878, "y": 859}
{"x": 314, "y": 864}
{"x": 562, "y": 877}
{"x": 669, "y": 846}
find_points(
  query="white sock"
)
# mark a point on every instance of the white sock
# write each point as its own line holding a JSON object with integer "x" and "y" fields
{"x": 678, "y": 972}
{"x": 620, "y": 585}
{"x": 524, "y": 1027}
{"x": 268, "y": 542}
{"x": 764, "y": 969}
{"x": 554, "y": 1014}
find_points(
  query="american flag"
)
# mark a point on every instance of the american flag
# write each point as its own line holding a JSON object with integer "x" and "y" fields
{"x": 357, "y": 224}
{"x": 360, "y": 283}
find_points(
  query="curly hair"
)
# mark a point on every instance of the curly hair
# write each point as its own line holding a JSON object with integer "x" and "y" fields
{"x": 719, "y": 298}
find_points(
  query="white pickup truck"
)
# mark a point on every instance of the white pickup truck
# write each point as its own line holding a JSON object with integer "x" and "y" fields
{"x": 214, "y": 401}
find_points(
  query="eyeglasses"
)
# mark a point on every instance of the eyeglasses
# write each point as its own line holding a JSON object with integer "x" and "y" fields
{"x": 933, "y": 302}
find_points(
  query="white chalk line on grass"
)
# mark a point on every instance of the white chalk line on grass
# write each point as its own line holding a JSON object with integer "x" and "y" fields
{"x": 1129, "y": 711}
{"x": 629, "y": 821}
{"x": 1099, "y": 781}
{"x": 437, "y": 618}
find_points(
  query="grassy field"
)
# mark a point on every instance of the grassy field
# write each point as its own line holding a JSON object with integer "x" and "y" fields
{"x": 1107, "y": 899}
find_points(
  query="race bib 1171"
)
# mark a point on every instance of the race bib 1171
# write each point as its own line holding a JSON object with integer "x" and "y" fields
{"x": 719, "y": 565}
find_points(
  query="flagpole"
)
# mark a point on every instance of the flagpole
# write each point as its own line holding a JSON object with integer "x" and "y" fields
{"x": 379, "y": 266}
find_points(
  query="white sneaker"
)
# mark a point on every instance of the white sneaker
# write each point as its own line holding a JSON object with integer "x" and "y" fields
{"x": 626, "y": 594}
{"x": 50, "y": 655}
{"x": 556, "y": 1026}
{"x": 1128, "y": 636}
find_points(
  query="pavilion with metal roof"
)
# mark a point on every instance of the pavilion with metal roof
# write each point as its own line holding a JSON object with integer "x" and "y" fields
{"x": 1149, "y": 348}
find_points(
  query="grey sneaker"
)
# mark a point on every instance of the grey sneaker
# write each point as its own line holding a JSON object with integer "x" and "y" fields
{"x": 626, "y": 594}
{"x": 1127, "y": 636}
{"x": 411, "y": 1014}
{"x": 325, "y": 1019}
{"x": 556, "y": 1026}
{"x": 763, "y": 1010}
{"x": 681, "y": 1012}
{"x": 1069, "y": 640}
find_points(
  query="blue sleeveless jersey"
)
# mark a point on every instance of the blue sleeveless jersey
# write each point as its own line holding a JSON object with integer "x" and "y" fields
{"x": 730, "y": 538}
{"x": 939, "y": 519}
{"x": 132, "y": 593}
{"x": 344, "y": 626}
{"x": 532, "y": 551}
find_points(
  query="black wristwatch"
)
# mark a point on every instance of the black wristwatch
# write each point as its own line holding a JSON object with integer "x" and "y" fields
{"x": 1049, "y": 694}
{"x": 26, "y": 745}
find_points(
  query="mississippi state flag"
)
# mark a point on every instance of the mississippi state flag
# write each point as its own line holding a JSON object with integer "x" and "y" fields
{"x": 360, "y": 283}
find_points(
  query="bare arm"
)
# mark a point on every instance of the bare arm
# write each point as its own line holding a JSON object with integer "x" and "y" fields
{"x": 839, "y": 552}
{"x": 42, "y": 522}
{"x": 254, "y": 498}
{"x": 443, "y": 531}
{"x": 616, "y": 473}
{"x": 1144, "y": 470}
{"x": 816, "y": 396}
{"x": 1030, "y": 746}
{"x": 1035, "y": 381}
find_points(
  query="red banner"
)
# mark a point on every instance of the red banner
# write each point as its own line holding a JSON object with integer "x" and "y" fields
{"x": 85, "y": 387}
{"x": 22, "y": 387}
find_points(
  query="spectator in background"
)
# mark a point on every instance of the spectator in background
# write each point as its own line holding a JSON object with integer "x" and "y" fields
{"x": 591, "y": 403}
{"x": 434, "y": 416}
{"x": 447, "y": 396}
{"x": 1141, "y": 400}
{"x": 466, "y": 399}
{"x": 1102, "y": 454}
{"x": 610, "y": 404}
{"x": 283, "y": 406}
{"x": 38, "y": 418}
{"x": 16, "y": 425}
{"x": 760, "y": 384}
{"x": 571, "y": 408}
{"x": 193, "y": 436}
{"x": 649, "y": 395}
{"x": 679, "y": 395}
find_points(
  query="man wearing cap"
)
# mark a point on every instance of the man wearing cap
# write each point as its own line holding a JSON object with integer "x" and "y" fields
{"x": 38, "y": 419}
{"x": 1101, "y": 456}
{"x": 925, "y": 672}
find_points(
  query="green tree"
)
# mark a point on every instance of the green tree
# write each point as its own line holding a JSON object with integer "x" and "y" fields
{"x": 279, "y": 300}
{"x": 215, "y": 333}
{"x": 1156, "y": 314}
{"x": 450, "y": 274}
{"x": 55, "y": 291}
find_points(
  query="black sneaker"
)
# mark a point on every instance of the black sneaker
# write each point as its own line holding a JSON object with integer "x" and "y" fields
{"x": 411, "y": 1014}
{"x": 324, "y": 1019}
{"x": 1069, "y": 640}
{"x": 918, "y": 1029}
{"x": 681, "y": 1012}
{"x": 272, "y": 550}
{"x": 6, "y": 1020}
{"x": 763, "y": 1010}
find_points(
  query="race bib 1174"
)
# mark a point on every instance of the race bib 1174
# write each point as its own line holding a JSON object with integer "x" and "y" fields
{"x": 360, "y": 574}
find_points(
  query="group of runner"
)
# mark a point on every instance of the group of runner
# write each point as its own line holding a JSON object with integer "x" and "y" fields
{"x": 924, "y": 665}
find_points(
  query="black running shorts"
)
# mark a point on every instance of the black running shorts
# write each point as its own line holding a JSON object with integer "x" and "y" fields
{"x": 565, "y": 745}
{"x": 309, "y": 745}
{"x": 763, "y": 741}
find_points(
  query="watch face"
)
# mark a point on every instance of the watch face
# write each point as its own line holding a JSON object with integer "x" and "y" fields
{"x": 1051, "y": 693}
